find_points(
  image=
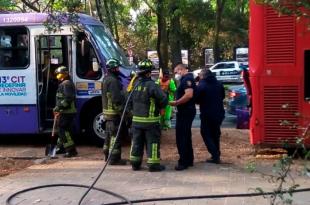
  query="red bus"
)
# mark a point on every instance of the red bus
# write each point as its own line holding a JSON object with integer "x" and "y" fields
{"x": 279, "y": 76}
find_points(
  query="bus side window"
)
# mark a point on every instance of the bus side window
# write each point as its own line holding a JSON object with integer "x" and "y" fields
{"x": 14, "y": 48}
{"x": 86, "y": 60}
{"x": 307, "y": 75}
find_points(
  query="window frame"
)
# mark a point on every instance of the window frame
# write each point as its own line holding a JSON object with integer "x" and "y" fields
{"x": 27, "y": 48}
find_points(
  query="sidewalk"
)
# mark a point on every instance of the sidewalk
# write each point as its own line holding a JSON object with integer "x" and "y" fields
{"x": 202, "y": 179}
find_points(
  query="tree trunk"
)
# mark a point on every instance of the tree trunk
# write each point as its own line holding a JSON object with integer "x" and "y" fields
{"x": 98, "y": 7}
{"x": 219, "y": 11}
{"x": 114, "y": 21}
{"x": 91, "y": 12}
{"x": 108, "y": 16}
{"x": 162, "y": 40}
{"x": 175, "y": 34}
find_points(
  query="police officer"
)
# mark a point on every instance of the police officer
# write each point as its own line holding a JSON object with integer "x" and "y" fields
{"x": 65, "y": 110}
{"x": 186, "y": 112}
{"x": 113, "y": 98}
{"x": 210, "y": 96}
{"x": 146, "y": 102}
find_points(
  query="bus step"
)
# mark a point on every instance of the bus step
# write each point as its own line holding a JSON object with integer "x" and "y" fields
{"x": 46, "y": 131}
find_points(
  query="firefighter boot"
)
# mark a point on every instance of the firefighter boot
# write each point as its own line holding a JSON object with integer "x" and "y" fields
{"x": 106, "y": 155}
{"x": 60, "y": 150}
{"x": 71, "y": 152}
{"x": 117, "y": 160}
{"x": 156, "y": 168}
{"x": 136, "y": 166}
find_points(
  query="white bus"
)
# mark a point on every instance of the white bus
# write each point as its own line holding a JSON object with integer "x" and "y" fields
{"x": 28, "y": 57}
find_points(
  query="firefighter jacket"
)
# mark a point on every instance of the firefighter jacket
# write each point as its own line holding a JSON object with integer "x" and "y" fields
{"x": 65, "y": 97}
{"x": 113, "y": 97}
{"x": 146, "y": 102}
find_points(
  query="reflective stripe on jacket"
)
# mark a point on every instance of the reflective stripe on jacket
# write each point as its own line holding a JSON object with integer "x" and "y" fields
{"x": 65, "y": 97}
{"x": 146, "y": 101}
{"x": 113, "y": 97}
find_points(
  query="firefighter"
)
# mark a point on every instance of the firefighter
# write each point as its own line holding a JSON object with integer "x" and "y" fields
{"x": 167, "y": 84}
{"x": 113, "y": 99}
{"x": 146, "y": 102}
{"x": 65, "y": 110}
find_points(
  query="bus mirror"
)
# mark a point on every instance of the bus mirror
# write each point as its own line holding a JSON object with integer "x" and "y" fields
{"x": 95, "y": 65}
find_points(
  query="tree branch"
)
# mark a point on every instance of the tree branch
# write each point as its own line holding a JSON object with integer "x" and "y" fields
{"x": 150, "y": 6}
{"x": 29, "y": 5}
{"x": 51, "y": 2}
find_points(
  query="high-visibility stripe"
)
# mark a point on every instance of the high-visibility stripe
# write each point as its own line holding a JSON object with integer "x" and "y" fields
{"x": 110, "y": 107}
{"x": 154, "y": 159}
{"x": 152, "y": 108}
{"x": 112, "y": 142}
{"x": 145, "y": 119}
{"x": 69, "y": 142}
{"x": 109, "y": 112}
{"x": 135, "y": 158}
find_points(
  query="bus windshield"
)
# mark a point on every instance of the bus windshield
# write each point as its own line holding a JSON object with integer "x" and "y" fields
{"x": 106, "y": 43}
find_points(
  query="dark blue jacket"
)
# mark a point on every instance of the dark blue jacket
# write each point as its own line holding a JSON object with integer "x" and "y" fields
{"x": 186, "y": 82}
{"x": 210, "y": 95}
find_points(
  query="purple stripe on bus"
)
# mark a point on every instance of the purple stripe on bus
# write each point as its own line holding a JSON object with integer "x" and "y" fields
{"x": 38, "y": 18}
{"x": 15, "y": 120}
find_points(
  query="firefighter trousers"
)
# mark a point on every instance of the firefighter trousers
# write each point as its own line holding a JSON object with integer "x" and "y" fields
{"x": 65, "y": 131}
{"x": 110, "y": 140}
{"x": 150, "y": 136}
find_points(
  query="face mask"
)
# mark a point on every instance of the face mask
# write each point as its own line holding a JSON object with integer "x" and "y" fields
{"x": 177, "y": 76}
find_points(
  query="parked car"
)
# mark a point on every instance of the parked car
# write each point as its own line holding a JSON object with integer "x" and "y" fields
{"x": 229, "y": 71}
{"x": 237, "y": 98}
{"x": 226, "y": 72}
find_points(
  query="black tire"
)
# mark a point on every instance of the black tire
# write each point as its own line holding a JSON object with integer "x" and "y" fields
{"x": 96, "y": 127}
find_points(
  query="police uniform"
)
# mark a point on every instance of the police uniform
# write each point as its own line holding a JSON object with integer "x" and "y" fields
{"x": 113, "y": 99}
{"x": 146, "y": 101}
{"x": 184, "y": 118}
{"x": 210, "y": 96}
{"x": 65, "y": 106}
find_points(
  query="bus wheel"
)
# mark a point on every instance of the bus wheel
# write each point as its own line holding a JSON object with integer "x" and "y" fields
{"x": 95, "y": 127}
{"x": 99, "y": 126}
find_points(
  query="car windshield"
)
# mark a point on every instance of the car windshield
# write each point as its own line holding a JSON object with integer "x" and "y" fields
{"x": 107, "y": 44}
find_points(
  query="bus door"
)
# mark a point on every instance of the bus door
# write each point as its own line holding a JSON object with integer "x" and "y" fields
{"x": 52, "y": 51}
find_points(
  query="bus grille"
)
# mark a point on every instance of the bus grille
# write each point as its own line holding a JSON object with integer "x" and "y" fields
{"x": 280, "y": 38}
{"x": 275, "y": 99}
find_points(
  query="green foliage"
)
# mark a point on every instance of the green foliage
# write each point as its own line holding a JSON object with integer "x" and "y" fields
{"x": 56, "y": 20}
{"x": 300, "y": 8}
{"x": 250, "y": 167}
{"x": 5, "y": 5}
{"x": 67, "y": 5}
{"x": 281, "y": 170}
{"x": 197, "y": 22}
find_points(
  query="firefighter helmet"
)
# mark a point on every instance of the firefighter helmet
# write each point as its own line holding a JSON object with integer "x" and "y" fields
{"x": 112, "y": 63}
{"x": 145, "y": 65}
{"x": 62, "y": 70}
